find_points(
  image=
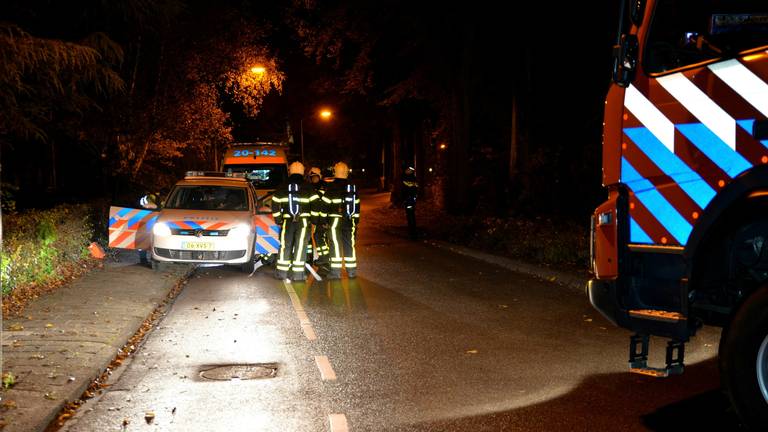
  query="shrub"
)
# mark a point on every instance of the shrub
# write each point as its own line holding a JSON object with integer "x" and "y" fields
{"x": 38, "y": 245}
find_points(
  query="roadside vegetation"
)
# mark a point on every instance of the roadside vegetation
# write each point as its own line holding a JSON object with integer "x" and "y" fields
{"x": 44, "y": 249}
{"x": 540, "y": 240}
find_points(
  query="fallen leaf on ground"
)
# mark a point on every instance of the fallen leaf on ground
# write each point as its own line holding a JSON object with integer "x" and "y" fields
{"x": 50, "y": 396}
{"x": 149, "y": 416}
{"x": 9, "y": 404}
{"x": 16, "y": 327}
{"x": 503, "y": 306}
{"x": 9, "y": 379}
{"x": 473, "y": 351}
{"x": 49, "y": 325}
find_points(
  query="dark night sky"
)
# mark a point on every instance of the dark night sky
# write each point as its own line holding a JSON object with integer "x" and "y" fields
{"x": 568, "y": 50}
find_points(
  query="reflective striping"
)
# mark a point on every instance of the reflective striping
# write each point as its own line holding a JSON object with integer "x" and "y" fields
{"x": 688, "y": 180}
{"x": 715, "y": 149}
{"x": 744, "y": 82}
{"x": 650, "y": 117}
{"x": 636, "y": 234}
{"x": 748, "y": 125}
{"x": 655, "y": 202}
{"x": 702, "y": 107}
{"x": 272, "y": 242}
{"x": 673, "y": 163}
{"x": 130, "y": 228}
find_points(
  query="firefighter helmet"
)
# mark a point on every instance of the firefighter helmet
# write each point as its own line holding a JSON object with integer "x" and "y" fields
{"x": 315, "y": 171}
{"x": 341, "y": 170}
{"x": 296, "y": 168}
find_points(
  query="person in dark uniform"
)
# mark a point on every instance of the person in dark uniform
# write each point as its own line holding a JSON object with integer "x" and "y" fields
{"x": 293, "y": 206}
{"x": 320, "y": 228}
{"x": 410, "y": 191}
{"x": 342, "y": 205}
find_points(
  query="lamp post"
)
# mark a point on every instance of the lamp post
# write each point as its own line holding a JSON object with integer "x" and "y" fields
{"x": 325, "y": 114}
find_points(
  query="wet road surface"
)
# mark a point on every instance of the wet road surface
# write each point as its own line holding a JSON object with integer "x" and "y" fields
{"x": 422, "y": 340}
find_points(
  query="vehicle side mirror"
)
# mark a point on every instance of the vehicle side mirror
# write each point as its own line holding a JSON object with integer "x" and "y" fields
{"x": 625, "y": 60}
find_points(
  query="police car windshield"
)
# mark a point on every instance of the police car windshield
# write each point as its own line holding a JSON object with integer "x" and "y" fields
{"x": 208, "y": 198}
{"x": 261, "y": 176}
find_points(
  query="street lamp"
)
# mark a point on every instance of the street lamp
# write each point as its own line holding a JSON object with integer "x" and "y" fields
{"x": 324, "y": 114}
{"x": 258, "y": 70}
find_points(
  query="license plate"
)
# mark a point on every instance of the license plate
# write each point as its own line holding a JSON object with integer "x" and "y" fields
{"x": 197, "y": 245}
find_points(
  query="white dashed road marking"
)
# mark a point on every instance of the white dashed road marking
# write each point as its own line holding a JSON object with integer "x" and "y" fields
{"x": 326, "y": 371}
{"x": 338, "y": 423}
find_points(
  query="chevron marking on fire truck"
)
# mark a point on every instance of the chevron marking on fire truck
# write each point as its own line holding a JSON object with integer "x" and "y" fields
{"x": 685, "y": 138}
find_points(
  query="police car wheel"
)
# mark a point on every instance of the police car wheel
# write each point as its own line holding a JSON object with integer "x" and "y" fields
{"x": 159, "y": 266}
{"x": 247, "y": 267}
{"x": 744, "y": 360}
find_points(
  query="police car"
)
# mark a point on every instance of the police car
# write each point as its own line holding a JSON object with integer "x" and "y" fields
{"x": 208, "y": 217}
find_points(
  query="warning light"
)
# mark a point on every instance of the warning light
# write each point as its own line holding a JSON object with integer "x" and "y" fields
{"x": 663, "y": 240}
{"x": 695, "y": 215}
{"x": 764, "y": 159}
{"x": 443, "y": 146}
{"x": 721, "y": 183}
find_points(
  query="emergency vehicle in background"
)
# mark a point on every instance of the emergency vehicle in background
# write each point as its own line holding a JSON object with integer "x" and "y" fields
{"x": 265, "y": 165}
{"x": 682, "y": 240}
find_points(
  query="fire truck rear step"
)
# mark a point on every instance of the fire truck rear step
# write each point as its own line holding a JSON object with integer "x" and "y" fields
{"x": 638, "y": 357}
{"x": 657, "y": 315}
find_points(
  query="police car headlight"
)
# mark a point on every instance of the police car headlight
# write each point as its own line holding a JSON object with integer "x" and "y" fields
{"x": 161, "y": 230}
{"x": 241, "y": 230}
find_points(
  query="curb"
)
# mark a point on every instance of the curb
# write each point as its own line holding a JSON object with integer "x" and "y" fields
{"x": 568, "y": 279}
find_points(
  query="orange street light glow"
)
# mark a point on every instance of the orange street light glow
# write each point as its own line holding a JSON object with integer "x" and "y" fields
{"x": 258, "y": 69}
{"x": 326, "y": 114}
{"x": 443, "y": 146}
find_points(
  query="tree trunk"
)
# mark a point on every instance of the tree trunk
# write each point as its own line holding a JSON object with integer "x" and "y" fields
{"x": 459, "y": 171}
{"x": 395, "y": 170}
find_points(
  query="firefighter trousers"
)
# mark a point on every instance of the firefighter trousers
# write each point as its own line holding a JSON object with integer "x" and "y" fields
{"x": 342, "y": 236}
{"x": 319, "y": 236}
{"x": 410, "y": 214}
{"x": 294, "y": 236}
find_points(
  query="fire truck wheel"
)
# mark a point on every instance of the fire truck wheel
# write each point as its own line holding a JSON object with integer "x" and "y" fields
{"x": 744, "y": 360}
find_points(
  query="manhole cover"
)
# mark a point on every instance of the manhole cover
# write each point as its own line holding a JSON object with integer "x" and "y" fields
{"x": 240, "y": 371}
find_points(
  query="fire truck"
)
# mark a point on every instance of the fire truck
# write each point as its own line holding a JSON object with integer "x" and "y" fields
{"x": 265, "y": 165}
{"x": 682, "y": 240}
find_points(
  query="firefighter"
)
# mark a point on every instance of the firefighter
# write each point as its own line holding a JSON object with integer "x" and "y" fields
{"x": 293, "y": 204}
{"x": 320, "y": 228}
{"x": 342, "y": 205}
{"x": 410, "y": 190}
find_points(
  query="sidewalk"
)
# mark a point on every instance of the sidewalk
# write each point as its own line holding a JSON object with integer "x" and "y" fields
{"x": 67, "y": 338}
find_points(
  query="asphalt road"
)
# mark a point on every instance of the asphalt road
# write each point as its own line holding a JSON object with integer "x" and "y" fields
{"x": 422, "y": 340}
